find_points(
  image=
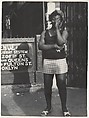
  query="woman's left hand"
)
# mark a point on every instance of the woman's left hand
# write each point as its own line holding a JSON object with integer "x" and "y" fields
{"x": 58, "y": 24}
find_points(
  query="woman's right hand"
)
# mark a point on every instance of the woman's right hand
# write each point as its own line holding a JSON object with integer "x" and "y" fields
{"x": 56, "y": 46}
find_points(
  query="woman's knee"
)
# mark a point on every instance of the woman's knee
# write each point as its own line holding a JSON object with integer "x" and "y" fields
{"x": 61, "y": 77}
{"x": 60, "y": 80}
{"x": 48, "y": 81}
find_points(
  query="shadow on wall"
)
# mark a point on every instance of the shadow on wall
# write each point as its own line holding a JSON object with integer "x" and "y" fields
{"x": 21, "y": 75}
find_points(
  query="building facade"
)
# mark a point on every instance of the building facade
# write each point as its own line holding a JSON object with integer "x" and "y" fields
{"x": 24, "y": 21}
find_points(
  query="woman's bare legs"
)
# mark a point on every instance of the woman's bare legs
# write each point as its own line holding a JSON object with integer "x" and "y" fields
{"x": 48, "y": 81}
{"x": 61, "y": 84}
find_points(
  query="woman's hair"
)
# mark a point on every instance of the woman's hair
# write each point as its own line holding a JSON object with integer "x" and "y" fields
{"x": 55, "y": 13}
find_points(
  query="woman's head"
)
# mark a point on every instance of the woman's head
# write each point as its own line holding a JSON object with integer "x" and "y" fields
{"x": 56, "y": 15}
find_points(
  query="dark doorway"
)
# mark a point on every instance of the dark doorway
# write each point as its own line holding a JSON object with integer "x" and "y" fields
{"x": 77, "y": 20}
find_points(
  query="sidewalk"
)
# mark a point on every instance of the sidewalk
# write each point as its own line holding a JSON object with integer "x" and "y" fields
{"x": 25, "y": 101}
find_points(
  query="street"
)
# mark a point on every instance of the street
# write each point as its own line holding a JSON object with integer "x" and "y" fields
{"x": 22, "y": 100}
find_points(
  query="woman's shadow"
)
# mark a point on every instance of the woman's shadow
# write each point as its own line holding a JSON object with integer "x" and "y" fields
{"x": 21, "y": 75}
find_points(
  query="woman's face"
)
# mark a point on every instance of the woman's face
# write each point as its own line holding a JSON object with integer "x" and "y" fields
{"x": 56, "y": 18}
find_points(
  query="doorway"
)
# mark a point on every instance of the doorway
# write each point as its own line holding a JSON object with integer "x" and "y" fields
{"x": 76, "y": 16}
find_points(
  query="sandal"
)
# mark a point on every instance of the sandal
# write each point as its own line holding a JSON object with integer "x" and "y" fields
{"x": 66, "y": 113}
{"x": 45, "y": 112}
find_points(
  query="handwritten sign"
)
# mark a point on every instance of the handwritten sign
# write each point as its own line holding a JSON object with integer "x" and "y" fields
{"x": 14, "y": 56}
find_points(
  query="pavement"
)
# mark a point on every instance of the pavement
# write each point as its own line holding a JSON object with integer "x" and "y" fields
{"x": 23, "y": 100}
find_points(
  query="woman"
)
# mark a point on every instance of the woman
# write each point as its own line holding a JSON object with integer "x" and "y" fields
{"x": 52, "y": 43}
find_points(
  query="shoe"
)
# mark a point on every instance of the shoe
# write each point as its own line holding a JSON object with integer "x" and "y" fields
{"x": 66, "y": 113}
{"x": 45, "y": 112}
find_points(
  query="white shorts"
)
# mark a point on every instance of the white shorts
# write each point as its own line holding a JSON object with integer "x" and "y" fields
{"x": 55, "y": 66}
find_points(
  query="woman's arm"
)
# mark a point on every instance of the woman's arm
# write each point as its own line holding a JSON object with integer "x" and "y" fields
{"x": 65, "y": 35}
{"x": 61, "y": 38}
{"x": 43, "y": 46}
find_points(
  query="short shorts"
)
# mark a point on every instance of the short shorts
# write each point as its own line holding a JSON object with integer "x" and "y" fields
{"x": 55, "y": 66}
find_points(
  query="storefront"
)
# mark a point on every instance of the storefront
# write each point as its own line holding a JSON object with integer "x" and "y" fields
{"x": 22, "y": 24}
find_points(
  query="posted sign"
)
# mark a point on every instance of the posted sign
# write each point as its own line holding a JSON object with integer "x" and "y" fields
{"x": 16, "y": 56}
